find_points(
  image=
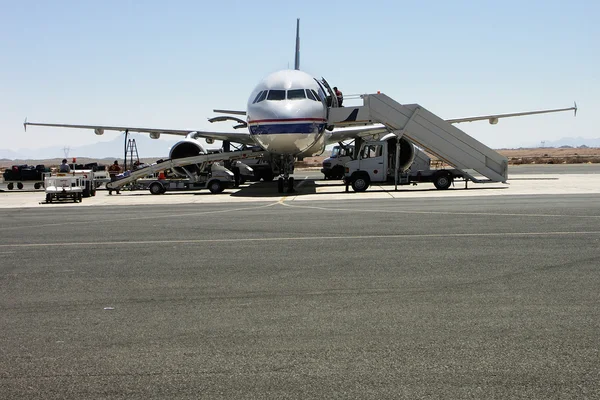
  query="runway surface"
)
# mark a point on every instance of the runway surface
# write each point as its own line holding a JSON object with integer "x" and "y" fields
{"x": 428, "y": 297}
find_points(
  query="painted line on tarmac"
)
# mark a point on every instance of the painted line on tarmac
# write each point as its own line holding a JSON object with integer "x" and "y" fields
{"x": 446, "y": 213}
{"x": 299, "y": 238}
{"x": 153, "y": 216}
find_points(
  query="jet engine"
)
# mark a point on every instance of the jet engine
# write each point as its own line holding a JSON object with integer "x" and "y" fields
{"x": 186, "y": 148}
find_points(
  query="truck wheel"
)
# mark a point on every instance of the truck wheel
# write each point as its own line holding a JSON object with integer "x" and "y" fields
{"x": 20, "y": 185}
{"x": 86, "y": 192}
{"x": 37, "y": 185}
{"x": 337, "y": 173}
{"x": 360, "y": 183}
{"x": 216, "y": 187}
{"x": 156, "y": 188}
{"x": 10, "y": 186}
{"x": 267, "y": 176}
{"x": 48, "y": 198}
{"x": 442, "y": 180}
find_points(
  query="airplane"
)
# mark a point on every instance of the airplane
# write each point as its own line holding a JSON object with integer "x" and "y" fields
{"x": 286, "y": 116}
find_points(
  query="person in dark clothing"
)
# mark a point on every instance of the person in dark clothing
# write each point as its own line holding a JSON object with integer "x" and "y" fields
{"x": 64, "y": 167}
{"x": 339, "y": 95}
{"x": 113, "y": 171}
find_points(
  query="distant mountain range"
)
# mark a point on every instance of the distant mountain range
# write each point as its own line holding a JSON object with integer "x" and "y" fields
{"x": 159, "y": 148}
{"x": 147, "y": 148}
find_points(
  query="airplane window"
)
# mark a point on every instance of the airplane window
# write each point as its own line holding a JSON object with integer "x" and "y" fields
{"x": 257, "y": 96}
{"x": 262, "y": 96}
{"x": 310, "y": 95}
{"x": 316, "y": 95}
{"x": 276, "y": 95}
{"x": 296, "y": 94}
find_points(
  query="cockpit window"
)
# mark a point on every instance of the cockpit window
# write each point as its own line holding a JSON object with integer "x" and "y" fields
{"x": 295, "y": 94}
{"x": 310, "y": 95}
{"x": 263, "y": 94}
{"x": 276, "y": 95}
{"x": 258, "y": 96}
{"x": 316, "y": 95}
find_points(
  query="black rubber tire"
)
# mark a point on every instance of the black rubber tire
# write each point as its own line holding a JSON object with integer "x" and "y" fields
{"x": 37, "y": 185}
{"x": 360, "y": 183}
{"x": 442, "y": 180}
{"x": 48, "y": 198}
{"x": 280, "y": 185}
{"x": 337, "y": 172}
{"x": 86, "y": 192}
{"x": 267, "y": 176}
{"x": 291, "y": 185}
{"x": 156, "y": 188}
{"x": 216, "y": 187}
{"x": 20, "y": 185}
{"x": 10, "y": 186}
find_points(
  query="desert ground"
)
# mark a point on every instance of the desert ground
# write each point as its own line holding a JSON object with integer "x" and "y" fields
{"x": 545, "y": 155}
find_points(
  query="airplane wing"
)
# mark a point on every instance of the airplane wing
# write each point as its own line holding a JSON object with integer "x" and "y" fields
{"x": 237, "y": 137}
{"x": 339, "y": 135}
{"x": 494, "y": 118}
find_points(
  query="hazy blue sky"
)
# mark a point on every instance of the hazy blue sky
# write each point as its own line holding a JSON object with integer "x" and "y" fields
{"x": 168, "y": 64}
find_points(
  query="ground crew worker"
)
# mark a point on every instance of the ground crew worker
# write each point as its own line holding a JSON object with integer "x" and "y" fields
{"x": 113, "y": 171}
{"x": 64, "y": 167}
{"x": 339, "y": 95}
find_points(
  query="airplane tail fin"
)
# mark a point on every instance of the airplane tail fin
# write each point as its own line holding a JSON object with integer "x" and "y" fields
{"x": 297, "y": 58}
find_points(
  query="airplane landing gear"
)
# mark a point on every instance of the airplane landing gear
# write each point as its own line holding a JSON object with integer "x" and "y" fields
{"x": 287, "y": 167}
{"x": 281, "y": 183}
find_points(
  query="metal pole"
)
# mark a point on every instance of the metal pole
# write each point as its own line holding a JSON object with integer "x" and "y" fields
{"x": 396, "y": 166}
{"x": 125, "y": 158}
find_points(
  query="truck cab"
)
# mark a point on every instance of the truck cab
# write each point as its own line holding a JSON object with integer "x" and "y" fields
{"x": 333, "y": 167}
{"x": 376, "y": 162}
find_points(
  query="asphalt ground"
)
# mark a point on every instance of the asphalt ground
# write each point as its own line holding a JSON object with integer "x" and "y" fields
{"x": 442, "y": 297}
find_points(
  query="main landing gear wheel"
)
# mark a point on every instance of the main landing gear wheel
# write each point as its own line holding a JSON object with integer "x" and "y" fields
{"x": 280, "y": 185}
{"x": 291, "y": 185}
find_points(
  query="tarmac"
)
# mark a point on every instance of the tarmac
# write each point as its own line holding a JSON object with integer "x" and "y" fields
{"x": 488, "y": 292}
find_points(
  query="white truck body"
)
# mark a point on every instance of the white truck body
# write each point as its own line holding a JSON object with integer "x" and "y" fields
{"x": 375, "y": 163}
{"x": 334, "y": 166}
{"x": 65, "y": 186}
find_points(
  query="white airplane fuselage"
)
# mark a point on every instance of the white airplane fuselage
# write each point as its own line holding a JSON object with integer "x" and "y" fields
{"x": 287, "y": 114}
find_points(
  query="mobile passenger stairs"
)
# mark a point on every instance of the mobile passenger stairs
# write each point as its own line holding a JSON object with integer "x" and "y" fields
{"x": 197, "y": 178}
{"x": 428, "y": 131}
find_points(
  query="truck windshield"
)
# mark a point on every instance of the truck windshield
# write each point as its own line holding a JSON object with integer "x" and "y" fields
{"x": 341, "y": 151}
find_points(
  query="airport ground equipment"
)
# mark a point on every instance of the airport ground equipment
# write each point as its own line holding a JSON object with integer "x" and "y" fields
{"x": 376, "y": 162}
{"x": 65, "y": 186}
{"x": 217, "y": 179}
{"x": 334, "y": 166}
{"x": 200, "y": 171}
{"x": 19, "y": 175}
{"x": 426, "y": 130}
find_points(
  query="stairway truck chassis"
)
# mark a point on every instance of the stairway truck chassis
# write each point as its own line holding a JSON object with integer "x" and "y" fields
{"x": 468, "y": 157}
